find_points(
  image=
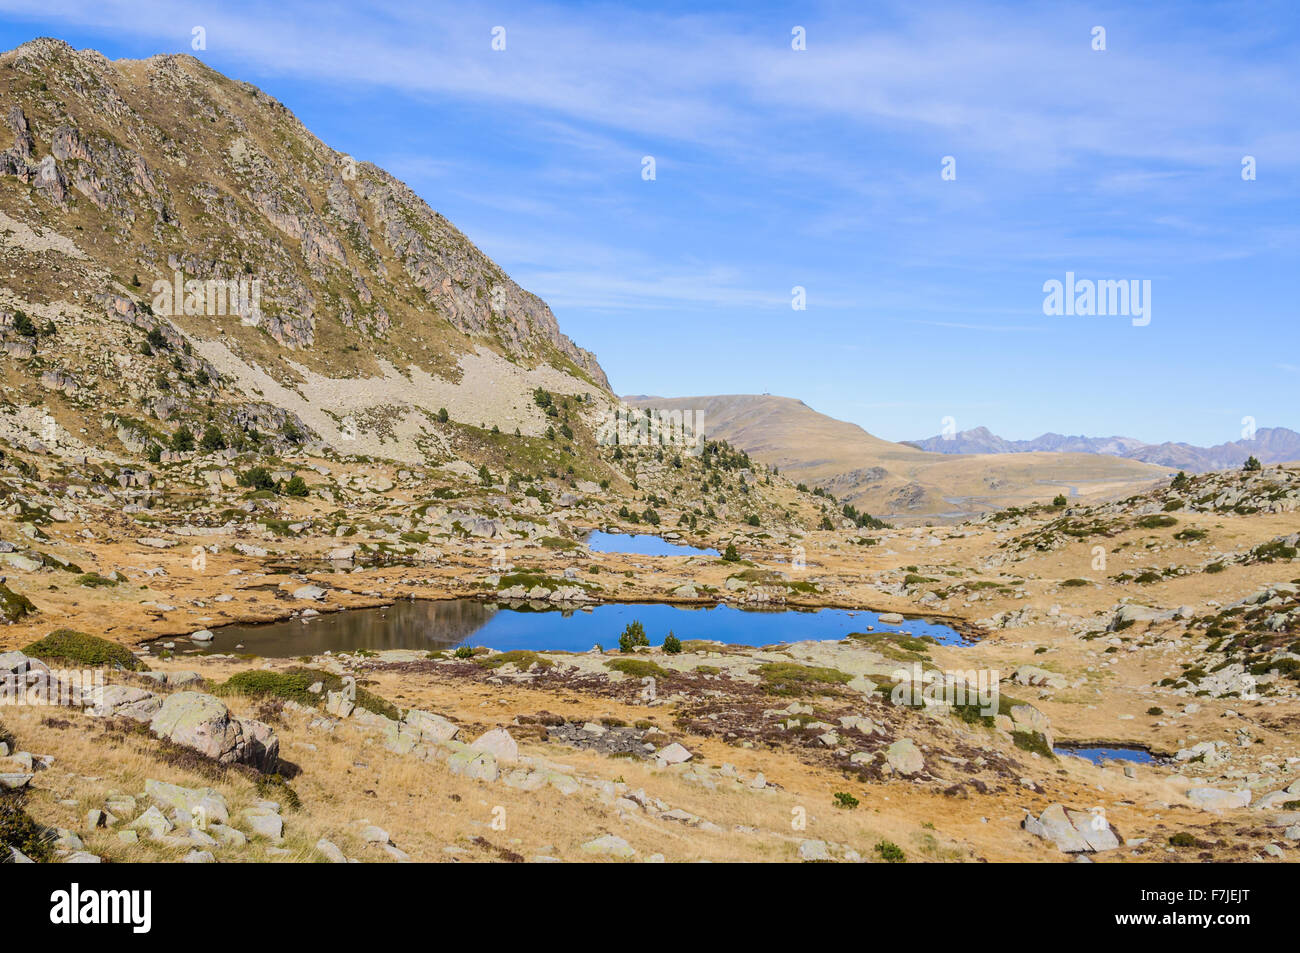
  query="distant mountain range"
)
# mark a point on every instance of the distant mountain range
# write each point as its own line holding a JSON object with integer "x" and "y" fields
{"x": 1270, "y": 445}
{"x": 894, "y": 481}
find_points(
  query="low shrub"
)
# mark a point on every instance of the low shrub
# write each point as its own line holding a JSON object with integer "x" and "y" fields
{"x": 890, "y": 852}
{"x": 83, "y": 649}
{"x": 294, "y": 685}
{"x": 19, "y": 831}
{"x": 789, "y": 678}
{"x": 1155, "y": 521}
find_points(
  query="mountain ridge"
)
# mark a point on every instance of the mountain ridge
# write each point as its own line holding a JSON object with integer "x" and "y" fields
{"x": 1269, "y": 445}
{"x": 892, "y": 480}
{"x": 371, "y": 312}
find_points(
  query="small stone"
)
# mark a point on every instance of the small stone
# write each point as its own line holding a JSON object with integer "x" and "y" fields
{"x": 263, "y": 823}
{"x": 815, "y": 850}
{"x": 1212, "y": 799}
{"x": 611, "y": 846}
{"x": 331, "y": 852}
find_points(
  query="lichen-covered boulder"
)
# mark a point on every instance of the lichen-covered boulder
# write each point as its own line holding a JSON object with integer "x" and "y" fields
{"x": 497, "y": 743}
{"x": 204, "y": 724}
{"x": 125, "y": 701}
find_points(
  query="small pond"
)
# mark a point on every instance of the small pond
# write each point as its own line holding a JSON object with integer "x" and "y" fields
{"x": 446, "y": 624}
{"x": 640, "y": 544}
{"x": 1098, "y": 754}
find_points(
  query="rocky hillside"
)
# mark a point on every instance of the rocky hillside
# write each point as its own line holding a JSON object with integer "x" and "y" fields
{"x": 176, "y": 249}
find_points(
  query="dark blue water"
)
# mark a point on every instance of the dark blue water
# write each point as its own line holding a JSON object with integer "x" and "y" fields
{"x": 640, "y": 544}
{"x": 1098, "y": 755}
{"x": 443, "y": 625}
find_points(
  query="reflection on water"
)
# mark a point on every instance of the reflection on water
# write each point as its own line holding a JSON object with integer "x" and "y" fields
{"x": 1099, "y": 754}
{"x": 640, "y": 544}
{"x": 431, "y": 626}
{"x": 403, "y": 625}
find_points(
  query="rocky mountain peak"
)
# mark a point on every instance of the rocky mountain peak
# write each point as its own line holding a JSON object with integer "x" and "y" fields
{"x": 161, "y": 196}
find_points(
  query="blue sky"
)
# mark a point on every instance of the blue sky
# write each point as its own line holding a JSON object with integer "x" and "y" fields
{"x": 821, "y": 168}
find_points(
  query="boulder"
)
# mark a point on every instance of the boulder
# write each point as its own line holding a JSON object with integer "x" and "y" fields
{"x": 156, "y": 542}
{"x": 1094, "y": 828}
{"x": 22, "y": 563}
{"x": 153, "y": 823}
{"x": 1213, "y": 799}
{"x": 330, "y": 851}
{"x": 475, "y": 765}
{"x": 126, "y": 701}
{"x": 263, "y": 745}
{"x": 430, "y": 726}
{"x": 610, "y": 846}
{"x": 400, "y": 738}
{"x": 1029, "y": 718}
{"x": 521, "y": 779}
{"x": 13, "y": 663}
{"x": 1037, "y": 676}
{"x": 813, "y": 850}
{"x": 1072, "y": 831}
{"x": 121, "y": 805}
{"x": 227, "y": 836}
{"x": 338, "y": 704}
{"x": 904, "y": 757}
{"x": 204, "y": 724}
{"x": 497, "y": 743}
{"x": 266, "y": 823}
{"x": 183, "y": 679}
{"x": 673, "y": 754}
{"x": 203, "y": 804}
{"x": 569, "y": 594}
{"x": 1128, "y": 614}
{"x": 1207, "y": 752}
{"x": 14, "y": 781}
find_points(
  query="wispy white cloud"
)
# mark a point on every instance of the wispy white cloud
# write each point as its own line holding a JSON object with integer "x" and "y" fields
{"x": 821, "y": 168}
{"x": 1026, "y": 88}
